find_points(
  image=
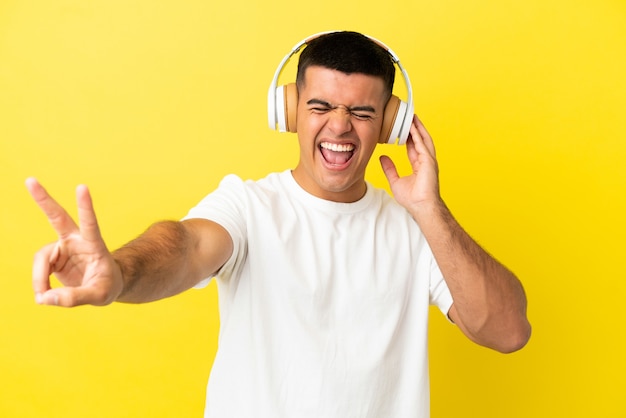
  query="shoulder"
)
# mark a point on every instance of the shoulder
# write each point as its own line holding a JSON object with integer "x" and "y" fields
{"x": 272, "y": 180}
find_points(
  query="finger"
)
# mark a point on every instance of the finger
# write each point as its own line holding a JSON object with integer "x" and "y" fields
{"x": 412, "y": 150}
{"x": 62, "y": 223}
{"x": 70, "y": 296}
{"x": 47, "y": 298}
{"x": 86, "y": 215}
{"x": 389, "y": 168}
{"x": 419, "y": 140}
{"x": 42, "y": 269}
{"x": 426, "y": 138}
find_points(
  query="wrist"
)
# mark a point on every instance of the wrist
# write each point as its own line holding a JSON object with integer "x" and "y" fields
{"x": 429, "y": 210}
{"x": 121, "y": 285}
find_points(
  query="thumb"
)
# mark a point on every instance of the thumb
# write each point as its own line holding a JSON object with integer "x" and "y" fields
{"x": 389, "y": 168}
{"x": 68, "y": 297}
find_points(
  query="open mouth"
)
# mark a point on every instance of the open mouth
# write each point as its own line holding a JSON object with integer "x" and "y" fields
{"x": 337, "y": 155}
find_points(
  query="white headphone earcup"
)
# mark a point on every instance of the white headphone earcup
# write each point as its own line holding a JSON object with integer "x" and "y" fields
{"x": 389, "y": 118}
{"x": 280, "y": 109}
{"x": 271, "y": 108}
{"x": 406, "y": 120}
{"x": 291, "y": 107}
{"x": 286, "y": 107}
{"x": 394, "y": 122}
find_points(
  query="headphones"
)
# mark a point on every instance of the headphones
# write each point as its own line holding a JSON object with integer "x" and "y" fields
{"x": 282, "y": 101}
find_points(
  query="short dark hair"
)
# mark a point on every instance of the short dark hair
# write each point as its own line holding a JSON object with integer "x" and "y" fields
{"x": 348, "y": 52}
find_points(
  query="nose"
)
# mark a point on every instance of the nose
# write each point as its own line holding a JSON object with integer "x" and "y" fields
{"x": 340, "y": 120}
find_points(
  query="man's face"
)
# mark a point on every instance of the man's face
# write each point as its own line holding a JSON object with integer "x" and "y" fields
{"x": 339, "y": 121}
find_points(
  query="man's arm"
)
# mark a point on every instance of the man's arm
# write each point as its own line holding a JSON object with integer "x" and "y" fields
{"x": 489, "y": 301}
{"x": 167, "y": 259}
{"x": 171, "y": 257}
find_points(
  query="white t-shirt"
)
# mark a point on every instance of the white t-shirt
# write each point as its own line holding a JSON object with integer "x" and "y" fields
{"x": 323, "y": 305}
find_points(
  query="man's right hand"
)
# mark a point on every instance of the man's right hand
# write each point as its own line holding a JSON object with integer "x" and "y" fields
{"x": 79, "y": 259}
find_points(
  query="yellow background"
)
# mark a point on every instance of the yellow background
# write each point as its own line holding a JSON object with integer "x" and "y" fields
{"x": 151, "y": 103}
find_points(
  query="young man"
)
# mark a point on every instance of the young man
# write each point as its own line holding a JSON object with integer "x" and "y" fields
{"x": 324, "y": 281}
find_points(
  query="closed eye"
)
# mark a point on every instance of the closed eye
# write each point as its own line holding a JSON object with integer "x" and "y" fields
{"x": 364, "y": 113}
{"x": 362, "y": 116}
{"x": 319, "y": 106}
{"x": 320, "y": 109}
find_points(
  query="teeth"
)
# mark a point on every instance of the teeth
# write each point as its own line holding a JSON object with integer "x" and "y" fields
{"x": 337, "y": 147}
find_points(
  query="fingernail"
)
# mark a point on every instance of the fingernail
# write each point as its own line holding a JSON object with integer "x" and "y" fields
{"x": 38, "y": 298}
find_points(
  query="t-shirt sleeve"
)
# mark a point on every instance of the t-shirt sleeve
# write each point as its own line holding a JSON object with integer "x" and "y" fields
{"x": 225, "y": 206}
{"x": 439, "y": 292}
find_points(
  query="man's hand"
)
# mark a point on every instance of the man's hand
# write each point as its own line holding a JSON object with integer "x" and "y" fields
{"x": 79, "y": 259}
{"x": 421, "y": 187}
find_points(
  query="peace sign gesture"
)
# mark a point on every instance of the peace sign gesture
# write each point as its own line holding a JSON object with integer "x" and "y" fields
{"x": 79, "y": 258}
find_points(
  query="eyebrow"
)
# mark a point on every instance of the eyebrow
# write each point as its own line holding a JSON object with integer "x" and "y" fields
{"x": 351, "y": 109}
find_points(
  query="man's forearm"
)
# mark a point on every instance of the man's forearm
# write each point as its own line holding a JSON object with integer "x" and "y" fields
{"x": 489, "y": 300}
{"x": 157, "y": 264}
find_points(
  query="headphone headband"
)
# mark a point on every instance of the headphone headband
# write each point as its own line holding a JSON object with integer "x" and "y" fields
{"x": 275, "y": 100}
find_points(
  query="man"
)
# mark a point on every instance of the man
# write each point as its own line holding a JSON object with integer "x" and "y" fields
{"x": 324, "y": 282}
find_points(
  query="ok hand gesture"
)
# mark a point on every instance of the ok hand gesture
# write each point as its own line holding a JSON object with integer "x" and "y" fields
{"x": 79, "y": 258}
